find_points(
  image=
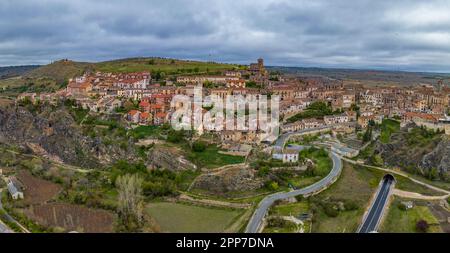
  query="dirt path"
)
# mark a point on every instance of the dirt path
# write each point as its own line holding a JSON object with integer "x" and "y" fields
{"x": 63, "y": 165}
{"x": 415, "y": 195}
{"x": 399, "y": 173}
{"x": 212, "y": 202}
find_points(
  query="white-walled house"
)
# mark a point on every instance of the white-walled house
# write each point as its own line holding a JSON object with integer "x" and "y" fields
{"x": 15, "y": 193}
{"x": 290, "y": 156}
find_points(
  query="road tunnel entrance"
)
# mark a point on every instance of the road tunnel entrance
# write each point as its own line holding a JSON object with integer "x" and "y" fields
{"x": 389, "y": 177}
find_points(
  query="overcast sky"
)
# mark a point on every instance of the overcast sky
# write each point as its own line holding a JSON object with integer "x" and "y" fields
{"x": 376, "y": 34}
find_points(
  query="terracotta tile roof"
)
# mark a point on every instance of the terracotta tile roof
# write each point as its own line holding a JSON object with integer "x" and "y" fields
{"x": 133, "y": 112}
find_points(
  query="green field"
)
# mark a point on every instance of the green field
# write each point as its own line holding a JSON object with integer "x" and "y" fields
{"x": 322, "y": 161}
{"x": 388, "y": 127}
{"x": 142, "y": 132}
{"x": 184, "y": 218}
{"x": 211, "y": 158}
{"x": 290, "y": 209}
{"x": 400, "y": 221}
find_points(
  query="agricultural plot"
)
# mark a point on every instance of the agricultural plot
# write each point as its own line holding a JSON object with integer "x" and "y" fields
{"x": 36, "y": 190}
{"x": 72, "y": 217}
{"x": 183, "y": 218}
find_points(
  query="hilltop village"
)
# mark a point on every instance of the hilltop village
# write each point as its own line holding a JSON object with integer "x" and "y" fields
{"x": 305, "y": 102}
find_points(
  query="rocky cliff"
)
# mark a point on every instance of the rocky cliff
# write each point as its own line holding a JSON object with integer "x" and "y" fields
{"x": 169, "y": 158}
{"x": 410, "y": 150}
{"x": 439, "y": 158}
{"x": 55, "y": 132}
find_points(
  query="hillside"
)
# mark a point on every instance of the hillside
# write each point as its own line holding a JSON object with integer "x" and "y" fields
{"x": 60, "y": 71}
{"x": 13, "y": 71}
{"x": 54, "y": 76}
{"x": 413, "y": 149}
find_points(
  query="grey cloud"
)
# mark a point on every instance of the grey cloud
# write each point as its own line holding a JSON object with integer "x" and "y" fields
{"x": 410, "y": 35}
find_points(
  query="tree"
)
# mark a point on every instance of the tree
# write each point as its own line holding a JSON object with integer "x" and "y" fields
{"x": 367, "y": 135}
{"x": 130, "y": 201}
{"x": 422, "y": 226}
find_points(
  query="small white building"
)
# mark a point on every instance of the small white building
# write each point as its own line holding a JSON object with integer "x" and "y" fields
{"x": 290, "y": 156}
{"x": 15, "y": 193}
{"x": 408, "y": 204}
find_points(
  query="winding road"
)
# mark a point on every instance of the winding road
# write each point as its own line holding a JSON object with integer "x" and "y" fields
{"x": 256, "y": 220}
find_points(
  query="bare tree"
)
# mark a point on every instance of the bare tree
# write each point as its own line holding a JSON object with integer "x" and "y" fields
{"x": 130, "y": 200}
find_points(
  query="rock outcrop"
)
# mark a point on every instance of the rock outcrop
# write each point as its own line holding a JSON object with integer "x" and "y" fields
{"x": 169, "y": 158}
{"x": 54, "y": 132}
{"x": 236, "y": 179}
{"x": 435, "y": 153}
{"x": 439, "y": 158}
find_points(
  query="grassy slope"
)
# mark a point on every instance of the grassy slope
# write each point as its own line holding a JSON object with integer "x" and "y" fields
{"x": 354, "y": 184}
{"x": 60, "y": 71}
{"x": 388, "y": 127}
{"x": 183, "y": 218}
{"x": 211, "y": 158}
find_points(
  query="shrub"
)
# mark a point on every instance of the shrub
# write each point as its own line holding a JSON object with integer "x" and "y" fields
{"x": 276, "y": 222}
{"x": 422, "y": 226}
{"x": 350, "y": 205}
{"x": 329, "y": 210}
{"x": 263, "y": 171}
{"x": 402, "y": 206}
{"x": 199, "y": 146}
{"x": 299, "y": 198}
{"x": 273, "y": 186}
{"x": 377, "y": 160}
{"x": 175, "y": 136}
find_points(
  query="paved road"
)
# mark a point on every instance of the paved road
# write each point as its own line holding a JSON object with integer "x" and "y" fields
{"x": 279, "y": 143}
{"x": 372, "y": 220}
{"x": 3, "y": 227}
{"x": 257, "y": 219}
